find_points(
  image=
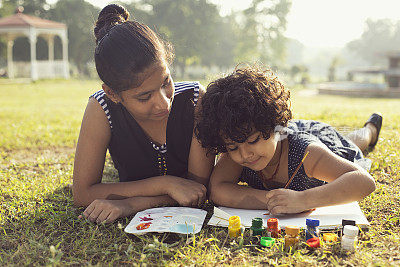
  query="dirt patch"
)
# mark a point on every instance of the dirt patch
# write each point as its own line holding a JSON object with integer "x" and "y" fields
{"x": 29, "y": 156}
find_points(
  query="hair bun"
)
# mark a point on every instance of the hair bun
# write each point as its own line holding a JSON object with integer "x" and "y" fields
{"x": 109, "y": 16}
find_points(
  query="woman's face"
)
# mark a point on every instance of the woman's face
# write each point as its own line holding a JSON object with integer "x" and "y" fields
{"x": 255, "y": 153}
{"x": 152, "y": 100}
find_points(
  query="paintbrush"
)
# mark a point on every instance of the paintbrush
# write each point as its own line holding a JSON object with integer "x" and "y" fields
{"x": 294, "y": 173}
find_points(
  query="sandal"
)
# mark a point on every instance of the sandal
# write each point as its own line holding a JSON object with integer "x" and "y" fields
{"x": 376, "y": 120}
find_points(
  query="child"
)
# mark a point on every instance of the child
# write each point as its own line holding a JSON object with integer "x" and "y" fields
{"x": 246, "y": 116}
{"x": 138, "y": 112}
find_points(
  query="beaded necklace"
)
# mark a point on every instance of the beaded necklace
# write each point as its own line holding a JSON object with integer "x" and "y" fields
{"x": 162, "y": 164}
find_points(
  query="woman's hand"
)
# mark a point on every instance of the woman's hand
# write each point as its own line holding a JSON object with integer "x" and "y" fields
{"x": 187, "y": 192}
{"x": 104, "y": 210}
{"x": 284, "y": 201}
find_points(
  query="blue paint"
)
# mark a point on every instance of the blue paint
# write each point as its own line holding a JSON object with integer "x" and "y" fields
{"x": 183, "y": 228}
{"x": 312, "y": 228}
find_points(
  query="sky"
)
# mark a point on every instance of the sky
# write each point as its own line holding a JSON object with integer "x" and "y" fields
{"x": 320, "y": 23}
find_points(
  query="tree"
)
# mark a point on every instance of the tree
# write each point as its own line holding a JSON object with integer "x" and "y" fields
{"x": 80, "y": 17}
{"x": 188, "y": 24}
{"x": 336, "y": 61}
{"x": 261, "y": 29}
{"x": 379, "y": 37}
{"x": 34, "y": 7}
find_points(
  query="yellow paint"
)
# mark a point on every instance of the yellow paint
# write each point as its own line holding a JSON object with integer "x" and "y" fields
{"x": 234, "y": 228}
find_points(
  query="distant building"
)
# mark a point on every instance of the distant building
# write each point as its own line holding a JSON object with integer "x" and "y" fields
{"x": 390, "y": 89}
{"x": 22, "y": 25}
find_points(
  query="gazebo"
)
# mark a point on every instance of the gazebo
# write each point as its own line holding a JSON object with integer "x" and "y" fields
{"x": 21, "y": 24}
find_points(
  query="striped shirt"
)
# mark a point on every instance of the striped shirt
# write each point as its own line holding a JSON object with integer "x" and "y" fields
{"x": 179, "y": 88}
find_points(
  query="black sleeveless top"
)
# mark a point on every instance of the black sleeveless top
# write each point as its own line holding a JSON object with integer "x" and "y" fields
{"x": 134, "y": 155}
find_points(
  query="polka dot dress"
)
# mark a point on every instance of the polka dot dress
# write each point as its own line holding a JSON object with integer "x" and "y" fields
{"x": 300, "y": 135}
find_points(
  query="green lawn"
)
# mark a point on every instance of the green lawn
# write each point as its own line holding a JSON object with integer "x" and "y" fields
{"x": 39, "y": 126}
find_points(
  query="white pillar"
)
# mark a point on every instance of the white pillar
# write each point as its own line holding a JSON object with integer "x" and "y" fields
{"x": 10, "y": 64}
{"x": 32, "y": 41}
{"x": 64, "y": 39}
{"x": 50, "y": 45}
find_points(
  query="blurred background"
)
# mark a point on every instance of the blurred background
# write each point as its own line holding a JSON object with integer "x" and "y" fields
{"x": 307, "y": 41}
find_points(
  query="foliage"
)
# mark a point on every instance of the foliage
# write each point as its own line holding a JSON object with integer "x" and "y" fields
{"x": 200, "y": 35}
{"x": 379, "y": 37}
{"x": 39, "y": 125}
{"x": 190, "y": 25}
{"x": 34, "y": 7}
{"x": 260, "y": 30}
{"x": 80, "y": 17}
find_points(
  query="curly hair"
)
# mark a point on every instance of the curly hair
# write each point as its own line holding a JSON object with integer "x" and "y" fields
{"x": 250, "y": 98}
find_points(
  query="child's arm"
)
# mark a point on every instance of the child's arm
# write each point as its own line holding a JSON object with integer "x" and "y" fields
{"x": 89, "y": 163}
{"x": 347, "y": 182}
{"x": 225, "y": 191}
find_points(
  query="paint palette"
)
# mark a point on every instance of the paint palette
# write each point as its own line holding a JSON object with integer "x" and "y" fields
{"x": 179, "y": 220}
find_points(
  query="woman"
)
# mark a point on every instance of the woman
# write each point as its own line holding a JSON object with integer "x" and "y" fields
{"x": 144, "y": 120}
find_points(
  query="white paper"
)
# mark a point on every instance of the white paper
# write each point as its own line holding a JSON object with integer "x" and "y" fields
{"x": 329, "y": 217}
{"x": 179, "y": 220}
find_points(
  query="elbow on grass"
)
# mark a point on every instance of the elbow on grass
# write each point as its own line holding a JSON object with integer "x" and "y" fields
{"x": 78, "y": 200}
{"x": 371, "y": 185}
{"x": 368, "y": 184}
{"x": 217, "y": 199}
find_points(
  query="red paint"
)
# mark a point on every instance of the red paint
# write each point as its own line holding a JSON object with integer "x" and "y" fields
{"x": 313, "y": 242}
{"x": 273, "y": 227}
{"x": 145, "y": 218}
{"x": 143, "y": 226}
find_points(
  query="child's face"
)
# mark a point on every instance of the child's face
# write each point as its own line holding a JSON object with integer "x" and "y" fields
{"x": 255, "y": 153}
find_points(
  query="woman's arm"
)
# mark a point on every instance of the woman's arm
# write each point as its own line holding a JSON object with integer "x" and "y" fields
{"x": 104, "y": 210}
{"x": 347, "y": 182}
{"x": 225, "y": 190}
{"x": 90, "y": 154}
{"x": 200, "y": 164}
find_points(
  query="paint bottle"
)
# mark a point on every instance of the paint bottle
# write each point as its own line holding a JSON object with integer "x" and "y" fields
{"x": 273, "y": 227}
{"x": 267, "y": 241}
{"x": 330, "y": 238}
{"x": 234, "y": 227}
{"x": 312, "y": 228}
{"x": 347, "y": 222}
{"x": 292, "y": 236}
{"x": 314, "y": 242}
{"x": 256, "y": 226}
{"x": 349, "y": 238}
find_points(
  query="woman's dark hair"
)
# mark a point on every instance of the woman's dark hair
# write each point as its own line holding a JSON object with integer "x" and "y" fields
{"x": 248, "y": 99}
{"x": 125, "y": 49}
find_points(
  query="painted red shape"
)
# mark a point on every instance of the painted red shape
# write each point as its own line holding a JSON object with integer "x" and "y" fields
{"x": 145, "y": 218}
{"x": 143, "y": 226}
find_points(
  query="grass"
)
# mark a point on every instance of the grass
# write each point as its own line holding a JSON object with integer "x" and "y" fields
{"x": 39, "y": 126}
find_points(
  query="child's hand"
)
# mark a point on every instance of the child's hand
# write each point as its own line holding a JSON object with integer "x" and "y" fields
{"x": 104, "y": 210}
{"x": 283, "y": 201}
{"x": 187, "y": 192}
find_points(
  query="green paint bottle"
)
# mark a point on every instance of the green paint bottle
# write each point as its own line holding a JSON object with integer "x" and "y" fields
{"x": 256, "y": 226}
